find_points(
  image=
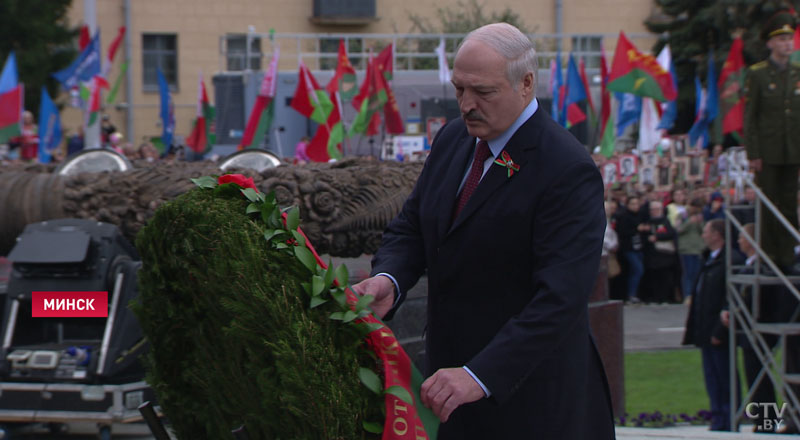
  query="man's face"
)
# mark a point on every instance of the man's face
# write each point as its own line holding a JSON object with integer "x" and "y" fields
{"x": 488, "y": 102}
{"x": 709, "y": 236}
{"x": 781, "y": 45}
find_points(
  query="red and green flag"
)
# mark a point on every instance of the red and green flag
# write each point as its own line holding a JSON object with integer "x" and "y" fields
{"x": 607, "y": 138}
{"x": 639, "y": 74}
{"x": 11, "y": 100}
{"x": 95, "y": 85}
{"x": 369, "y": 101}
{"x": 589, "y": 100}
{"x": 326, "y": 143}
{"x": 344, "y": 80}
{"x": 311, "y": 100}
{"x": 202, "y": 137}
{"x": 391, "y": 112}
{"x": 260, "y": 118}
{"x": 731, "y": 98}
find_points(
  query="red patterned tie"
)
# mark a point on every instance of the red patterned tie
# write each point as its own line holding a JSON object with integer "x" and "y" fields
{"x": 474, "y": 177}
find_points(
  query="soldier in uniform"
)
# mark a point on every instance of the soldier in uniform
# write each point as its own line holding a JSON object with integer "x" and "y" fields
{"x": 772, "y": 133}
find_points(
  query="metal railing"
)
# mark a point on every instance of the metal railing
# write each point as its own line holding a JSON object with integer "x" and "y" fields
{"x": 409, "y": 48}
{"x": 741, "y": 283}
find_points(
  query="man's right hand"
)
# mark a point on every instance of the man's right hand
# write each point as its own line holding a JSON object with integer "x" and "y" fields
{"x": 755, "y": 165}
{"x": 382, "y": 288}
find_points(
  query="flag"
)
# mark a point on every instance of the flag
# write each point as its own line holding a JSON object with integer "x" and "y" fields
{"x": 202, "y": 137}
{"x": 49, "y": 127}
{"x": 630, "y": 107}
{"x": 97, "y": 83}
{"x": 730, "y": 84}
{"x": 260, "y": 118}
{"x": 649, "y": 134}
{"x": 391, "y": 112}
{"x": 605, "y": 96}
{"x": 344, "y": 80}
{"x": 384, "y": 61}
{"x": 84, "y": 68}
{"x": 167, "y": 112}
{"x": 575, "y": 94}
{"x": 368, "y": 103}
{"x": 326, "y": 143}
{"x": 85, "y": 38}
{"x": 608, "y": 139}
{"x": 589, "y": 100}
{"x": 556, "y": 89}
{"x": 444, "y": 66}
{"x": 112, "y": 50}
{"x": 8, "y": 77}
{"x": 669, "y": 110}
{"x": 795, "y": 56}
{"x": 310, "y": 100}
{"x": 638, "y": 73}
{"x": 11, "y": 100}
{"x": 707, "y": 105}
{"x": 112, "y": 96}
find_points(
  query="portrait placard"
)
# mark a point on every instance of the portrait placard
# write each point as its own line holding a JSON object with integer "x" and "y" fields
{"x": 610, "y": 172}
{"x": 628, "y": 165}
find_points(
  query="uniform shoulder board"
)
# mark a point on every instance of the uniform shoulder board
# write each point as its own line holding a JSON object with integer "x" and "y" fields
{"x": 759, "y": 65}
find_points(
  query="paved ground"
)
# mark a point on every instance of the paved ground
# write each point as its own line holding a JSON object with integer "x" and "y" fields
{"x": 654, "y": 327}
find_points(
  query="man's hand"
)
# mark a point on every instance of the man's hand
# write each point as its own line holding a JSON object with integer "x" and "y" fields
{"x": 715, "y": 341}
{"x": 755, "y": 165}
{"x": 382, "y": 288}
{"x": 448, "y": 389}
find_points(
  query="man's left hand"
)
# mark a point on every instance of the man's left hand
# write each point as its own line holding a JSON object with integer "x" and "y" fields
{"x": 448, "y": 389}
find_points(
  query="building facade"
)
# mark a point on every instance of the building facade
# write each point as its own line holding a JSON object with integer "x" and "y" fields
{"x": 187, "y": 38}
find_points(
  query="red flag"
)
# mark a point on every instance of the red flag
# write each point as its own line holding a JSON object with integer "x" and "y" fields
{"x": 639, "y": 74}
{"x": 344, "y": 80}
{"x": 112, "y": 50}
{"x": 200, "y": 139}
{"x": 730, "y": 87}
{"x": 326, "y": 143}
{"x": 605, "y": 96}
{"x": 391, "y": 113}
{"x": 309, "y": 99}
{"x": 384, "y": 62}
{"x": 85, "y": 38}
{"x": 585, "y": 82}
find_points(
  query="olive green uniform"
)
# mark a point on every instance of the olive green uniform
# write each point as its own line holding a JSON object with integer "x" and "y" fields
{"x": 772, "y": 134}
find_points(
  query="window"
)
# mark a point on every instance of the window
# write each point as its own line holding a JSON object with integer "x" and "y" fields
{"x": 588, "y": 47}
{"x": 331, "y": 45}
{"x": 236, "y": 51}
{"x": 159, "y": 51}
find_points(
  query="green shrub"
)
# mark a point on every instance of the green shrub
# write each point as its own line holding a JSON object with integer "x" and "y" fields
{"x": 233, "y": 340}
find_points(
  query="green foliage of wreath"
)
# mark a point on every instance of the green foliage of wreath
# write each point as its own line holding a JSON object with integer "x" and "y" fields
{"x": 233, "y": 340}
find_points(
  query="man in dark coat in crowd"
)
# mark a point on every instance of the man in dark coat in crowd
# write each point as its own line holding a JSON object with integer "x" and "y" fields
{"x": 507, "y": 219}
{"x": 704, "y": 327}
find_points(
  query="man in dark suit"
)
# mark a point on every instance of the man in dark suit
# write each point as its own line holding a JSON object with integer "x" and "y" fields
{"x": 704, "y": 326}
{"x": 507, "y": 219}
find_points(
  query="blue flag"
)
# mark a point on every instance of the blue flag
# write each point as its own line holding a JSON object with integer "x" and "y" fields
{"x": 671, "y": 111}
{"x": 630, "y": 107}
{"x": 557, "y": 85}
{"x": 167, "y": 112}
{"x": 49, "y": 128}
{"x": 8, "y": 77}
{"x": 575, "y": 90}
{"x": 706, "y": 105}
{"x": 84, "y": 68}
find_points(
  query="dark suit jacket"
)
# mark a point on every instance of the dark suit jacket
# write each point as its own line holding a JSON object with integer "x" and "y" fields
{"x": 707, "y": 303}
{"x": 509, "y": 281}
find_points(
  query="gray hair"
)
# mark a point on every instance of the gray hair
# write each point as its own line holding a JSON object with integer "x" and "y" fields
{"x": 511, "y": 44}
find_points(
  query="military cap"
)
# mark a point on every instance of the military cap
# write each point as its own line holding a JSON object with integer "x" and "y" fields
{"x": 782, "y": 22}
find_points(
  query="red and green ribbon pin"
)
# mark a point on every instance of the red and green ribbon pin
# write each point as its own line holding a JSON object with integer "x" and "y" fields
{"x": 505, "y": 160}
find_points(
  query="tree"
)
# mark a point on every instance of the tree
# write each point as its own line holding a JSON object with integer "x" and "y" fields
{"x": 460, "y": 19}
{"x": 38, "y": 33}
{"x": 693, "y": 28}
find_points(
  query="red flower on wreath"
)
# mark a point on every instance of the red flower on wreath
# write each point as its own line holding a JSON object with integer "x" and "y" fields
{"x": 244, "y": 182}
{"x": 505, "y": 160}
